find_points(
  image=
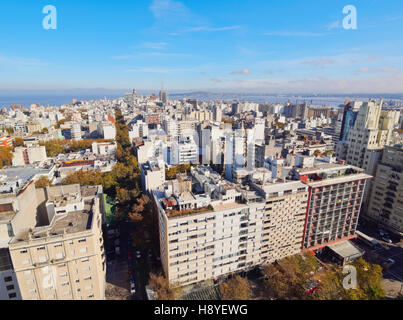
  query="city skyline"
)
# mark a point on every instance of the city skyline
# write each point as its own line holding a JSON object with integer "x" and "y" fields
{"x": 256, "y": 47}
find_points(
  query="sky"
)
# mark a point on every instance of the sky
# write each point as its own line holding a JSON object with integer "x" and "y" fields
{"x": 259, "y": 46}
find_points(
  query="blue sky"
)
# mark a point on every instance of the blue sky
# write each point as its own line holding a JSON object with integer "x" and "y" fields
{"x": 227, "y": 45}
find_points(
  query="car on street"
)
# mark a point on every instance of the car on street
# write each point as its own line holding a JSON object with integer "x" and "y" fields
{"x": 386, "y": 239}
{"x": 388, "y": 263}
{"x": 150, "y": 254}
{"x": 138, "y": 254}
{"x": 132, "y": 287}
{"x": 382, "y": 233}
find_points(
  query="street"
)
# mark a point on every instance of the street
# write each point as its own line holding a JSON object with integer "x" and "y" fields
{"x": 393, "y": 276}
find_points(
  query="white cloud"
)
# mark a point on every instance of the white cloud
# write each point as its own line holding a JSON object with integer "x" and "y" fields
{"x": 212, "y": 29}
{"x": 319, "y": 62}
{"x": 388, "y": 70}
{"x": 215, "y": 80}
{"x": 154, "y": 45}
{"x": 169, "y": 9}
{"x": 363, "y": 70}
{"x": 159, "y": 70}
{"x": 242, "y": 72}
{"x": 293, "y": 34}
{"x": 334, "y": 25}
{"x": 149, "y": 54}
{"x": 21, "y": 62}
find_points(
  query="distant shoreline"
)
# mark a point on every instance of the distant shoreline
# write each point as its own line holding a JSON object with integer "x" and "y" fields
{"x": 316, "y": 100}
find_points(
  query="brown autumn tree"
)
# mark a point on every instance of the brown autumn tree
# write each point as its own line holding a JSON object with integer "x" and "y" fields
{"x": 6, "y": 157}
{"x": 237, "y": 288}
{"x": 42, "y": 182}
{"x": 163, "y": 290}
{"x": 18, "y": 142}
{"x": 138, "y": 209}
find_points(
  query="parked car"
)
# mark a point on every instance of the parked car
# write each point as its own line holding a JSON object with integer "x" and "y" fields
{"x": 388, "y": 263}
{"x": 138, "y": 254}
{"x": 132, "y": 288}
{"x": 386, "y": 239}
{"x": 382, "y": 233}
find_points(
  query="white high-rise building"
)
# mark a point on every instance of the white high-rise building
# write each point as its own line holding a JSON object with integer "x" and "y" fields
{"x": 183, "y": 151}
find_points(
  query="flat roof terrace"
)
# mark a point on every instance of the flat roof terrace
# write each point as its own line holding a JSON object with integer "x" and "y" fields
{"x": 72, "y": 222}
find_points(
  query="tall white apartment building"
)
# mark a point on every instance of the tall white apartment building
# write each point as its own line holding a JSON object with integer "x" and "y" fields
{"x": 152, "y": 175}
{"x": 76, "y": 131}
{"x": 63, "y": 259}
{"x": 184, "y": 150}
{"x": 16, "y": 214}
{"x": 371, "y": 132}
{"x": 107, "y": 130}
{"x": 203, "y": 238}
{"x": 139, "y": 130}
{"x": 386, "y": 201}
{"x": 215, "y": 228}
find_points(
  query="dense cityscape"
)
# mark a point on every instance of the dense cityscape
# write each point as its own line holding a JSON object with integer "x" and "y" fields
{"x": 148, "y": 198}
{"x": 201, "y": 159}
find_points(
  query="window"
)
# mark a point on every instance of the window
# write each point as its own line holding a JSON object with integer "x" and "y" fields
{"x": 8, "y": 279}
{"x": 40, "y": 248}
{"x": 23, "y": 251}
{"x": 12, "y": 295}
{"x": 82, "y": 240}
{"x": 10, "y": 230}
{"x": 10, "y": 288}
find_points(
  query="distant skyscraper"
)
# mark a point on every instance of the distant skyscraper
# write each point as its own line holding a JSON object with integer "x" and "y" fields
{"x": 163, "y": 96}
{"x": 349, "y": 117}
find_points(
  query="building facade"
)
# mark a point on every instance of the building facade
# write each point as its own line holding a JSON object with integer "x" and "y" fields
{"x": 386, "y": 201}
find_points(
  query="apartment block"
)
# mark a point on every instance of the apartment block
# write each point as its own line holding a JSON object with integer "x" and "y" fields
{"x": 386, "y": 202}
{"x": 284, "y": 219}
{"x": 35, "y": 254}
{"x": 334, "y": 203}
{"x": 6, "y": 143}
{"x": 372, "y": 130}
{"x": 152, "y": 175}
{"x": 63, "y": 260}
{"x": 17, "y": 203}
{"x": 208, "y": 232}
{"x": 213, "y": 228}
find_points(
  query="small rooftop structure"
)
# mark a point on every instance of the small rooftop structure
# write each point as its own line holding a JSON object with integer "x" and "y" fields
{"x": 344, "y": 251}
